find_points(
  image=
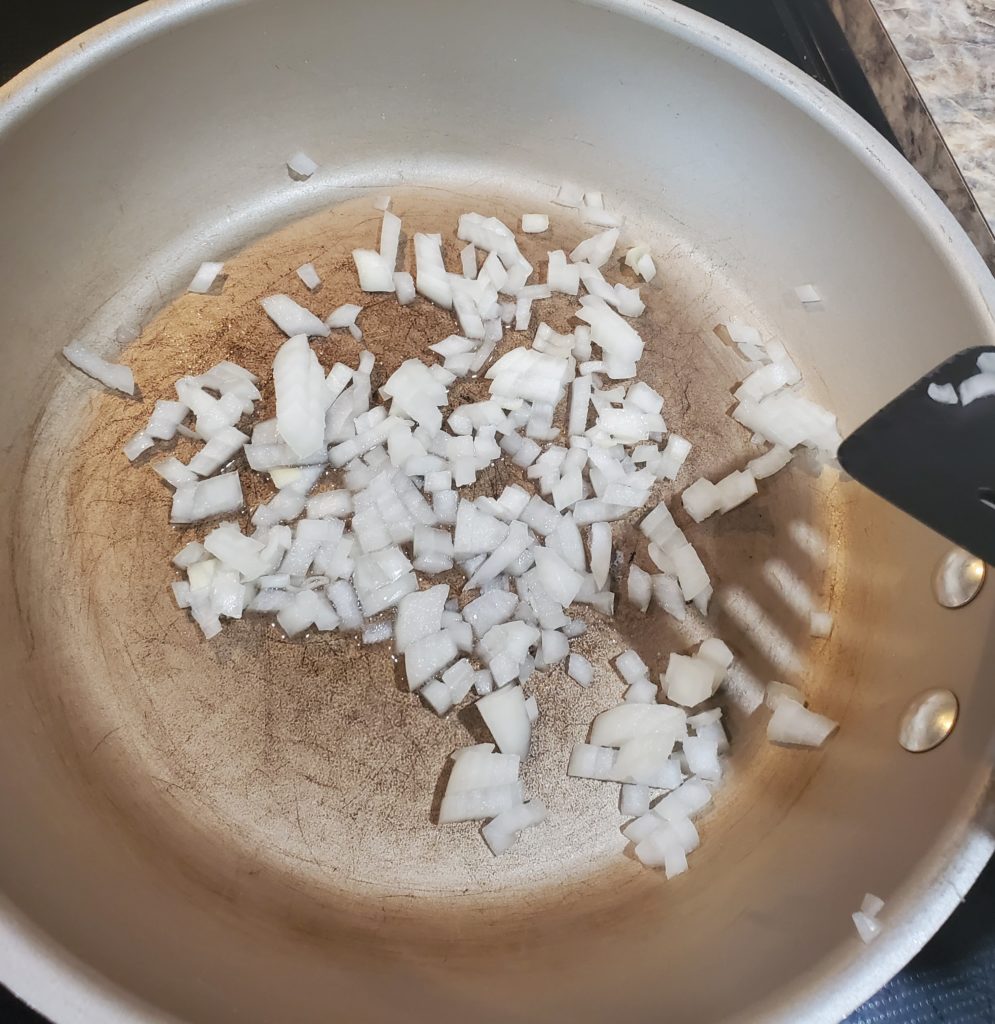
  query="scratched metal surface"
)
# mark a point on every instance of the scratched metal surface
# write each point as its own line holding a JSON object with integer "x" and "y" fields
{"x": 308, "y": 760}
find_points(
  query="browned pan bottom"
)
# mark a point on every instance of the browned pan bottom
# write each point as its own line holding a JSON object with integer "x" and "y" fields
{"x": 298, "y": 779}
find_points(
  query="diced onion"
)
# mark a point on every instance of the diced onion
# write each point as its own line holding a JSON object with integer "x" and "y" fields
{"x": 301, "y": 166}
{"x": 115, "y": 376}
{"x": 792, "y": 723}
{"x": 309, "y": 276}
{"x": 534, "y": 223}
{"x": 205, "y": 277}
{"x": 361, "y": 557}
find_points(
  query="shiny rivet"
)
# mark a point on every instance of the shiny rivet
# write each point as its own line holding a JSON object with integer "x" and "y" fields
{"x": 957, "y": 578}
{"x": 928, "y": 720}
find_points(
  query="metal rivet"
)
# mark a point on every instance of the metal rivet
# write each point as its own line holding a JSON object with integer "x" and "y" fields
{"x": 957, "y": 578}
{"x": 928, "y": 720}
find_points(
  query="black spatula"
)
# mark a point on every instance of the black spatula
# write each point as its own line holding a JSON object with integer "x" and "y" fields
{"x": 934, "y": 461}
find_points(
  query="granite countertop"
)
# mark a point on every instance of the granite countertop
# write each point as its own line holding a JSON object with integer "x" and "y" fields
{"x": 931, "y": 64}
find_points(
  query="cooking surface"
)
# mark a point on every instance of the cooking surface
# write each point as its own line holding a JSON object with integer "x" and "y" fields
{"x": 308, "y": 763}
{"x": 782, "y": 39}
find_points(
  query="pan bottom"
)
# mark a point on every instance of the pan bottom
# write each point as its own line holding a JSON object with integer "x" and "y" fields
{"x": 299, "y": 778}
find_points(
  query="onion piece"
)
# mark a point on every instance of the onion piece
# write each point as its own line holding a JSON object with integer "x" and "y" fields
{"x": 672, "y": 458}
{"x": 593, "y": 212}
{"x": 445, "y": 693}
{"x": 375, "y": 273}
{"x": 625, "y": 722}
{"x": 634, "y": 254}
{"x": 433, "y": 550}
{"x": 718, "y": 656}
{"x": 634, "y": 799}
{"x": 596, "y": 250}
{"x": 236, "y": 551}
{"x": 768, "y": 379}
{"x": 642, "y": 691}
{"x": 511, "y": 548}
{"x": 489, "y": 610}
{"x": 390, "y": 237}
{"x": 424, "y": 657}
{"x": 558, "y": 580}
{"x": 330, "y": 503}
{"x": 344, "y": 316}
{"x": 771, "y": 462}
{"x": 301, "y": 396}
{"x": 688, "y": 681}
{"x": 309, "y": 276}
{"x": 346, "y": 605}
{"x": 981, "y": 385}
{"x": 631, "y": 667}
{"x": 301, "y": 166}
{"x": 419, "y": 615}
{"x": 667, "y": 594}
{"x": 431, "y": 279}
{"x": 776, "y": 692}
{"x": 792, "y": 723}
{"x": 174, "y": 472}
{"x": 404, "y": 285}
{"x": 702, "y": 755}
{"x": 505, "y": 714}
{"x": 691, "y": 573}
{"x": 684, "y": 802}
{"x": 701, "y": 500}
{"x": 867, "y": 927}
{"x": 377, "y": 632}
{"x": 620, "y": 343}
{"x": 264, "y": 458}
{"x": 204, "y": 278}
{"x": 416, "y": 393}
{"x": 501, "y": 832}
{"x": 734, "y": 489}
{"x": 138, "y": 445}
{"x": 213, "y": 414}
{"x": 645, "y": 267}
{"x": 189, "y": 554}
{"x": 221, "y": 448}
{"x": 112, "y": 375}
{"x": 481, "y": 784}
{"x": 560, "y": 276}
{"x": 206, "y": 499}
{"x": 580, "y": 670}
{"x": 640, "y": 587}
{"x": 645, "y": 760}
{"x": 789, "y": 420}
{"x": 554, "y": 648}
{"x": 292, "y": 318}
{"x": 945, "y": 394}
{"x": 534, "y": 223}
{"x": 663, "y": 848}
{"x": 165, "y": 419}
{"x": 588, "y": 761}
{"x": 468, "y": 261}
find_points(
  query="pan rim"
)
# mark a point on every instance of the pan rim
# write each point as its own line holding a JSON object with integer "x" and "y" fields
{"x": 53, "y": 980}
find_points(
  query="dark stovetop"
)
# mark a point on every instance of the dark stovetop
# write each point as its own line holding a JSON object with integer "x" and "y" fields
{"x": 953, "y": 980}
